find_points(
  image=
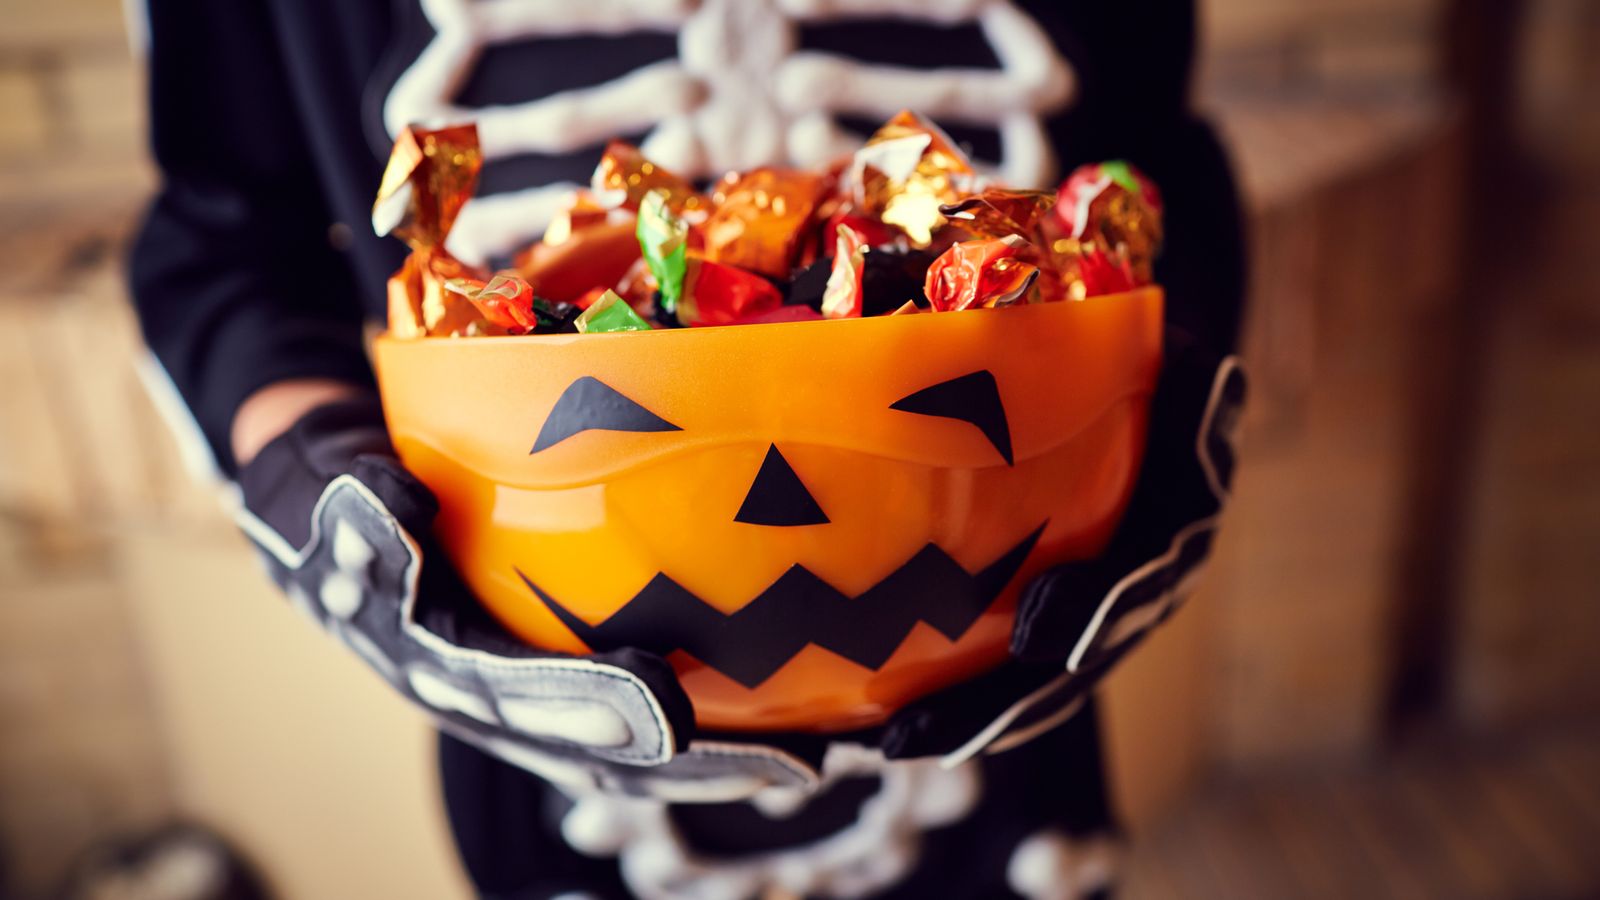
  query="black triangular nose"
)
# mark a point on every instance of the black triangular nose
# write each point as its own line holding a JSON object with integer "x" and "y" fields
{"x": 778, "y": 497}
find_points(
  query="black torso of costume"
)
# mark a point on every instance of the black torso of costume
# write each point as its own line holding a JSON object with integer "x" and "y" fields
{"x": 329, "y": 84}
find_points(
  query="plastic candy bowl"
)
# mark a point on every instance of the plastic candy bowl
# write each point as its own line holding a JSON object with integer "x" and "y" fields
{"x": 814, "y": 522}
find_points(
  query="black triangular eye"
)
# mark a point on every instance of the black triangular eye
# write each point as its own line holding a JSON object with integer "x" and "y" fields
{"x": 590, "y": 404}
{"x": 971, "y": 398}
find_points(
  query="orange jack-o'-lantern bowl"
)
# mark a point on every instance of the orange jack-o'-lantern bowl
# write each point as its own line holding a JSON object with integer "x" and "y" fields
{"x": 814, "y": 522}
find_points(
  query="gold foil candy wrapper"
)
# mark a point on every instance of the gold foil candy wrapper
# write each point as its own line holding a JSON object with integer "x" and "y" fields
{"x": 431, "y": 174}
{"x": 446, "y": 312}
{"x": 979, "y": 274}
{"x": 625, "y": 176}
{"x": 906, "y": 171}
{"x": 997, "y": 212}
{"x": 420, "y": 305}
{"x": 760, "y": 219}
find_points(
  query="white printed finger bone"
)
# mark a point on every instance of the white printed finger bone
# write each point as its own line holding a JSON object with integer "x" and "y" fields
{"x": 1048, "y": 865}
{"x": 591, "y": 724}
{"x": 340, "y": 594}
{"x": 440, "y": 694}
{"x": 351, "y": 552}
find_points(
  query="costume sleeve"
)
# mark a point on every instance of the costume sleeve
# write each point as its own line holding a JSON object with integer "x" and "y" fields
{"x": 233, "y": 276}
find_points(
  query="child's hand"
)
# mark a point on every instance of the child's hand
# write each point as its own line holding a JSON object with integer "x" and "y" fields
{"x": 1077, "y": 620}
{"x": 346, "y": 532}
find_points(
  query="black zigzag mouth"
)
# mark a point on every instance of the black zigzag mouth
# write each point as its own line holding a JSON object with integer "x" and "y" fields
{"x": 761, "y": 637}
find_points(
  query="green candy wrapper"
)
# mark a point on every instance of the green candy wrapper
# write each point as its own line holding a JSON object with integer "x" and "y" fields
{"x": 610, "y": 313}
{"x": 664, "y": 239}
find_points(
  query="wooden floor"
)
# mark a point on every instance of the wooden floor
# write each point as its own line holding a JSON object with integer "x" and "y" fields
{"x": 1448, "y": 819}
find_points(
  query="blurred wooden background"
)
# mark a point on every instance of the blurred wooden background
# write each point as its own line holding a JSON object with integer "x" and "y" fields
{"x": 1410, "y": 565}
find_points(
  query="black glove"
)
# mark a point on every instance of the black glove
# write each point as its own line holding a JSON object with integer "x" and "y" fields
{"x": 1074, "y": 622}
{"x": 346, "y": 532}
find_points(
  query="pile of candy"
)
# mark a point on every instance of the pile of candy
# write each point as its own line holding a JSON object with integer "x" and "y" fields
{"x": 906, "y": 225}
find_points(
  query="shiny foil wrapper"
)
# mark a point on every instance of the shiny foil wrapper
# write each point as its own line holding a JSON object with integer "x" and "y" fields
{"x": 997, "y": 212}
{"x": 664, "y": 242}
{"x": 760, "y": 218}
{"x": 980, "y": 274}
{"x": 715, "y": 294}
{"x": 608, "y": 313}
{"x": 431, "y": 174}
{"x": 429, "y": 178}
{"x": 624, "y": 177}
{"x": 842, "y": 297}
{"x": 505, "y": 301}
{"x": 420, "y": 304}
{"x": 906, "y": 172}
{"x": 1113, "y": 213}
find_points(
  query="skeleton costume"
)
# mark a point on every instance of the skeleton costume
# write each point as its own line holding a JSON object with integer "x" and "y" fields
{"x": 585, "y": 776}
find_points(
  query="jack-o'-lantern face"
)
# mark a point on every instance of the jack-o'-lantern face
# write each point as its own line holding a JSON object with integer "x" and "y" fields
{"x": 815, "y": 522}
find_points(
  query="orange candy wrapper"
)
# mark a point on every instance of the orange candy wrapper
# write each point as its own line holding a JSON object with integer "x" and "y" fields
{"x": 760, "y": 218}
{"x": 430, "y": 176}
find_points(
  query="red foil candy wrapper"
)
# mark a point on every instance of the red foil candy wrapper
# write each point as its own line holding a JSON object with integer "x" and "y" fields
{"x": 977, "y": 274}
{"x": 760, "y": 219}
{"x": 624, "y": 176}
{"x": 715, "y": 294}
{"x": 1113, "y": 212}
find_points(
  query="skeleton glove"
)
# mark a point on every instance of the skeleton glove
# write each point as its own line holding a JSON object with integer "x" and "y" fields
{"x": 1077, "y": 620}
{"x": 346, "y": 533}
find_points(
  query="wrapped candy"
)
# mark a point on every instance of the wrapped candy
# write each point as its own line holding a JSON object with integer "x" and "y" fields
{"x": 506, "y": 301}
{"x": 906, "y": 171}
{"x": 903, "y": 226}
{"x": 976, "y": 274}
{"x": 430, "y": 176}
{"x": 841, "y": 298}
{"x": 610, "y": 313}
{"x": 1113, "y": 215}
{"x": 715, "y": 294}
{"x": 663, "y": 237}
{"x": 997, "y": 212}
{"x": 760, "y": 219}
{"x": 624, "y": 177}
